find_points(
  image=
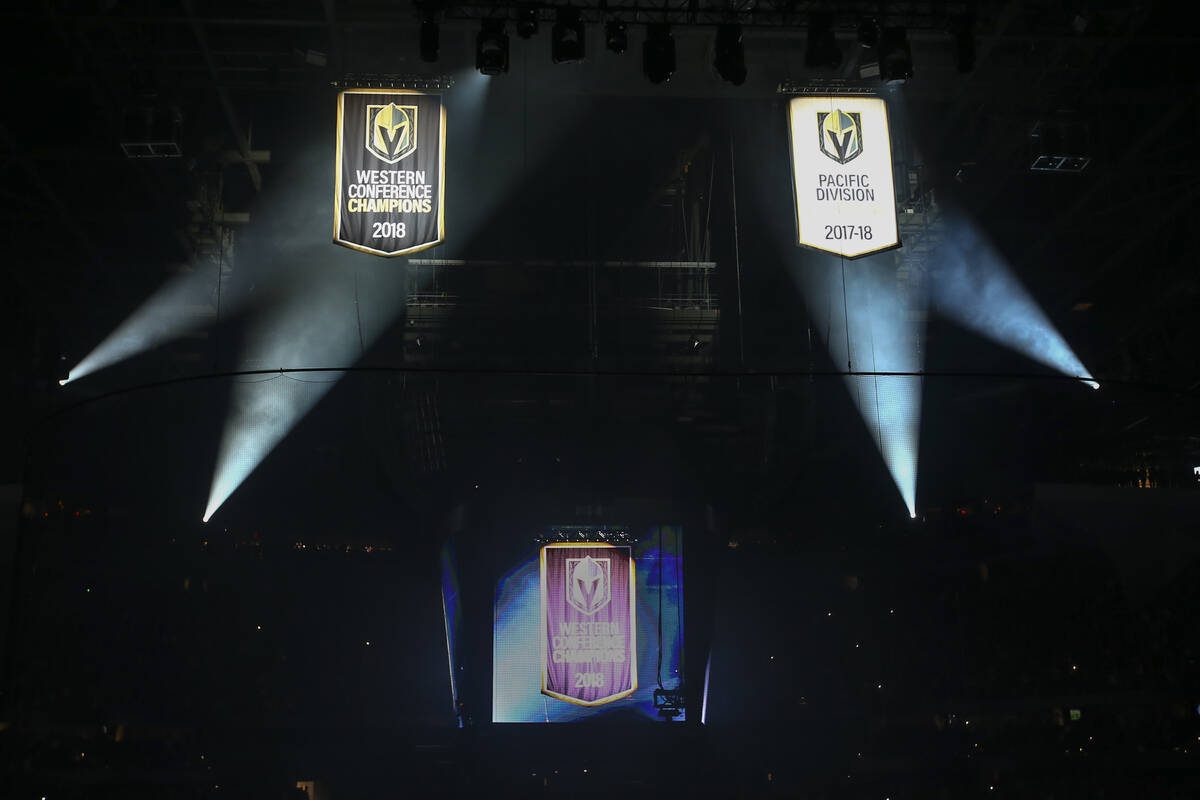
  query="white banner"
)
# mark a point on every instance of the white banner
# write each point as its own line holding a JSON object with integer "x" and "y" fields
{"x": 842, "y": 175}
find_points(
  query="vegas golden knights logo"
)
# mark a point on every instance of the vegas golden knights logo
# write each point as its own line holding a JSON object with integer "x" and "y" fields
{"x": 841, "y": 134}
{"x": 589, "y": 583}
{"x": 391, "y": 131}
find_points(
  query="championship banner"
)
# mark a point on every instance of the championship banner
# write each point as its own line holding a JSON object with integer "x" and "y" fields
{"x": 589, "y": 641}
{"x": 842, "y": 175}
{"x": 391, "y": 168}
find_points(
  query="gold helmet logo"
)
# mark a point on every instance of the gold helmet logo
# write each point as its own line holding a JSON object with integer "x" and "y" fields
{"x": 840, "y": 134}
{"x": 391, "y": 131}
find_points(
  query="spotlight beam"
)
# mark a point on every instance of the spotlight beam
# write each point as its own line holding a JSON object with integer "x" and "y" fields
{"x": 870, "y": 331}
{"x": 181, "y": 305}
{"x": 974, "y": 286}
{"x": 263, "y": 414}
{"x": 317, "y": 324}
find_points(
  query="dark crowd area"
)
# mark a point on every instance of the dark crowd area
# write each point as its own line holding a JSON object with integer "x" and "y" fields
{"x": 967, "y": 654}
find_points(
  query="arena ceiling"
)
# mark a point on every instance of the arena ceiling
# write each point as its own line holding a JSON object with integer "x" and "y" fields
{"x": 1105, "y": 250}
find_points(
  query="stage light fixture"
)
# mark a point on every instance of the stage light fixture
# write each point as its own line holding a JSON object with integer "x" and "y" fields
{"x": 895, "y": 56}
{"x": 527, "y": 21}
{"x": 430, "y": 40}
{"x": 658, "y": 53}
{"x": 615, "y": 37}
{"x": 567, "y": 43}
{"x": 669, "y": 703}
{"x": 964, "y": 43}
{"x": 730, "y": 58}
{"x": 491, "y": 48}
{"x": 868, "y": 33}
{"x": 822, "y": 50}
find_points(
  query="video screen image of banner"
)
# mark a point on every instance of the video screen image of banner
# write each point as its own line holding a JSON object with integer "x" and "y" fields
{"x": 842, "y": 175}
{"x": 390, "y": 171}
{"x": 577, "y": 630}
{"x": 589, "y": 623}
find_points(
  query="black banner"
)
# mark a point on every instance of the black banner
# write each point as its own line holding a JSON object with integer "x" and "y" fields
{"x": 391, "y": 166}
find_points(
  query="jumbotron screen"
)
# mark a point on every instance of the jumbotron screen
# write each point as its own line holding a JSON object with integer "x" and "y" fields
{"x": 588, "y": 629}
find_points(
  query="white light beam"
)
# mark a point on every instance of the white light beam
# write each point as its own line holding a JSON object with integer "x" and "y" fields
{"x": 183, "y": 304}
{"x": 878, "y": 335}
{"x": 974, "y": 286}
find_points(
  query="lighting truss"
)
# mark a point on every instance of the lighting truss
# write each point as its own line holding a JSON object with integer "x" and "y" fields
{"x": 836, "y": 88}
{"x": 669, "y": 703}
{"x": 574, "y": 533}
{"x": 777, "y": 14}
{"x": 378, "y": 80}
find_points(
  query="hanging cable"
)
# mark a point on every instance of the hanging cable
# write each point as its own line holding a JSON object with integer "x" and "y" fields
{"x": 737, "y": 255}
{"x": 829, "y": 322}
{"x": 1161, "y": 388}
{"x": 712, "y": 172}
{"x": 525, "y": 113}
{"x": 217, "y": 327}
{"x": 362, "y": 349}
{"x": 846, "y": 316}
{"x": 679, "y": 672}
{"x": 658, "y": 673}
{"x": 878, "y": 418}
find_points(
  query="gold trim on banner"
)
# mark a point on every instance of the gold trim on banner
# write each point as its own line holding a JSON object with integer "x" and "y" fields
{"x": 791, "y": 163}
{"x": 632, "y": 626}
{"x": 337, "y": 197}
{"x": 836, "y": 254}
{"x": 337, "y": 172}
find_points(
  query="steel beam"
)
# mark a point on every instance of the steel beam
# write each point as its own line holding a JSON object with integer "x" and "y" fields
{"x": 235, "y": 127}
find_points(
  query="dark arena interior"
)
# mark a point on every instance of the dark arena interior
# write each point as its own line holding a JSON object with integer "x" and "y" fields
{"x": 730, "y": 398}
